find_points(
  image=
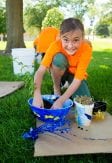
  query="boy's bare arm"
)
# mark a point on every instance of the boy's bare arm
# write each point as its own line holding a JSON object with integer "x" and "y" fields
{"x": 37, "y": 100}
{"x": 71, "y": 89}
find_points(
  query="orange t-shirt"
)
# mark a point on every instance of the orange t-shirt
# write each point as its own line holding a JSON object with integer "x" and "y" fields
{"x": 78, "y": 62}
{"x": 46, "y": 37}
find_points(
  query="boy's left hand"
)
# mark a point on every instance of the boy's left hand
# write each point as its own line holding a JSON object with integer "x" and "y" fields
{"x": 57, "y": 104}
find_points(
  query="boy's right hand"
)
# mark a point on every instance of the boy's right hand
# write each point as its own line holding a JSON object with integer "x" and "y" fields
{"x": 38, "y": 101}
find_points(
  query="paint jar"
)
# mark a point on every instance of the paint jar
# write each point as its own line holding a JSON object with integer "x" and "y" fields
{"x": 83, "y": 114}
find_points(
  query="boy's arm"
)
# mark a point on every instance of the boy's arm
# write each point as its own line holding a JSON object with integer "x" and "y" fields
{"x": 37, "y": 100}
{"x": 67, "y": 94}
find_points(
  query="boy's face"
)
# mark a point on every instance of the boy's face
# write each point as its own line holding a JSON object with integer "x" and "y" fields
{"x": 71, "y": 41}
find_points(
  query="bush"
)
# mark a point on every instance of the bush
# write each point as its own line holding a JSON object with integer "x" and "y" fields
{"x": 102, "y": 30}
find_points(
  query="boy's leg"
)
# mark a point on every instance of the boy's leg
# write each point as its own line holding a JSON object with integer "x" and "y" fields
{"x": 82, "y": 90}
{"x": 58, "y": 68}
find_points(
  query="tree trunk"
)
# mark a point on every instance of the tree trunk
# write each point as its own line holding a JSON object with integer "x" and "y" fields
{"x": 15, "y": 30}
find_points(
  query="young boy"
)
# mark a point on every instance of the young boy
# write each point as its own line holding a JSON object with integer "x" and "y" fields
{"x": 68, "y": 59}
{"x": 45, "y": 38}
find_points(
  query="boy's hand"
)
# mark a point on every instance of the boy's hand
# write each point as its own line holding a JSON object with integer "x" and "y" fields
{"x": 57, "y": 104}
{"x": 38, "y": 101}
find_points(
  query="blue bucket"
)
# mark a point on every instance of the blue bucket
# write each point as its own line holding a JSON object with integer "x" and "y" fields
{"x": 51, "y": 115}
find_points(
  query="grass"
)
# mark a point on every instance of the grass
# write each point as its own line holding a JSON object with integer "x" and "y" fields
{"x": 16, "y": 117}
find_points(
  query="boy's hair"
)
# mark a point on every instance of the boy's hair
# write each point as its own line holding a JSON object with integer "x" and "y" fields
{"x": 71, "y": 24}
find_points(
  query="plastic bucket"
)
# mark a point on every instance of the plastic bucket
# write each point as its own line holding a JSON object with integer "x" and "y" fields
{"x": 23, "y": 60}
{"x": 83, "y": 114}
{"x": 51, "y": 115}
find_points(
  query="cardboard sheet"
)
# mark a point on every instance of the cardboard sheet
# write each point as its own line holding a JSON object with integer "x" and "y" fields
{"x": 97, "y": 138}
{"x": 98, "y": 129}
{"x": 7, "y": 87}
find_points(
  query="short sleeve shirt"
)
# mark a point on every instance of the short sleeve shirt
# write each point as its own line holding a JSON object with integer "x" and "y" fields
{"x": 78, "y": 62}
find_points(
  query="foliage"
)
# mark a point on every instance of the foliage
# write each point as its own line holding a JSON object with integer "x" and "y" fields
{"x": 110, "y": 30}
{"x": 77, "y": 8}
{"x": 53, "y": 18}
{"x": 2, "y": 20}
{"x": 103, "y": 26}
{"x": 107, "y": 18}
{"x": 102, "y": 30}
{"x": 106, "y": 13}
{"x": 34, "y": 15}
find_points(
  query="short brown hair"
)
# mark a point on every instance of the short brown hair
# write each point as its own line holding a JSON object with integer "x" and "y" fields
{"x": 71, "y": 24}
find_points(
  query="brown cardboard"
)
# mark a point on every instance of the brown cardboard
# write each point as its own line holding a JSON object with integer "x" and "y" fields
{"x": 98, "y": 129}
{"x": 7, "y": 87}
{"x": 97, "y": 138}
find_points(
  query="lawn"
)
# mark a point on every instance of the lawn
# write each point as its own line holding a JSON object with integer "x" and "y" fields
{"x": 16, "y": 117}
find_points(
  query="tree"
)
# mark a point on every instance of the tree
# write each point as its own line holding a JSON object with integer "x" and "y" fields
{"x": 77, "y": 8}
{"x": 105, "y": 13}
{"x": 102, "y": 30}
{"x": 110, "y": 30}
{"x": 53, "y": 18}
{"x": 15, "y": 30}
{"x": 34, "y": 15}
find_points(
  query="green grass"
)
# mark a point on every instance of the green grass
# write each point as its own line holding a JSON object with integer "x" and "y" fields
{"x": 16, "y": 117}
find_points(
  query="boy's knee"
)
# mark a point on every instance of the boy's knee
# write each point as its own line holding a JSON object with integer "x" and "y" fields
{"x": 60, "y": 61}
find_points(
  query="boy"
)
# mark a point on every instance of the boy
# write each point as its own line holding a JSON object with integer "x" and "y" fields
{"x": 68, "y": 59}
{"x": 45, "y": 38}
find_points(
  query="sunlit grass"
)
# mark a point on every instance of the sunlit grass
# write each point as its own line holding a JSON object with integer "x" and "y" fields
{"x": 29, "y": 44}
{"x": 102, "y": 44}
{"x": 2, "y": 45}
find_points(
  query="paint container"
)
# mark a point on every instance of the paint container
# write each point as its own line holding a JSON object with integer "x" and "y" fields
{"x": 48, "y": 114}
{"x": 83, "y": 114}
